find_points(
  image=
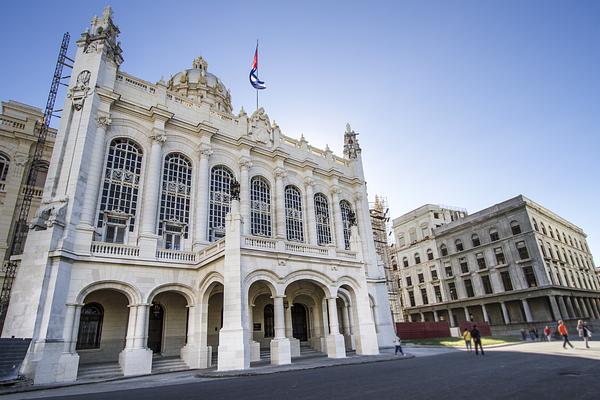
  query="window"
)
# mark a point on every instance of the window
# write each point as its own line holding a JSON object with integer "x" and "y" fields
{"x": 571, "y": 241}
{"x": 522, "y": 249}
{"x": 515, "y": 227}
{"x": 543, "y": 249}
{"x": 405, "y": 262}
{"x": 260, "y": 207}
{"x": 346, "y": 209}
{"x": 175, "y": 199}
{"x": 448, "y": 270}
{"x": 564, "y": 238}
{"x": 436, "y": 215}
{"x": 269, "y": 320}
{"x": 469, "y": 288}
{"x": 434, "y": 274}
{"x": 424, "y": 296}
{"x": 322, "y": 219}
{"x": 115, "y": 227}
{"x": 475, "y": 240}
{"x": 421, "y": 277}
{"x": 220, "y": 200}
{"x": 494, "y": 235}
{"x": 429, "y": 254}
{"x": 464, "y": 265}
{"x": 487, "y": 285}
{"x": 411, "y": 298}
{"x": 529, "y": 276}
{"x": 452, "y": 291}
{"x": 293, "y": 214}
{"x": 500, "y": 260}
{"x": 535, "y": 225}
{"x": 438, "y": 293}
{"x": 4, "y": 163}
{"x": 543, "y": 228}
{"x": 417, "y": 258}
{"x": 120, "y": 188}
{"x": 408, "y": 281}
{"x": 90, "y": 326}
{"x": 481, "y": 261}
{"x": 459, "y": 245}
{"x": 444, "y": 250}
{"x": 506, "y": 281}
{"x": 571, "y": 257}
{"x": 550, "y": 232}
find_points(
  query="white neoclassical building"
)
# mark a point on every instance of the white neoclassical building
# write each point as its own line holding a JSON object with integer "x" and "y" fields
{"x": 170, "y": 227}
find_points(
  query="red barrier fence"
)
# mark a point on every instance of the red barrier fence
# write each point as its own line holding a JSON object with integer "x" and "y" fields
{"x": 422, "y": 330}
{"x": 484, "y": 327}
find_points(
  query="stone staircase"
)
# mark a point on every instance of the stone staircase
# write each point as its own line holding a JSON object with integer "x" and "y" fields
{"x": 307, "y": 351}
{"x": 12, "y": 353}
{"x": 99, "y": 371}
{"x": 168, "y": 364}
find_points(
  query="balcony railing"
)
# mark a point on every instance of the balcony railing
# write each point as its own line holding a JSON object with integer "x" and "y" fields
{"x": 282, "y": 246}
{"x": 175, "y": 255}
{"x": 114, "y": 250}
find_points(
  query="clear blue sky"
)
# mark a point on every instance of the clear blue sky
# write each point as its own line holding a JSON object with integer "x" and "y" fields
{"x": 466, "y": 103}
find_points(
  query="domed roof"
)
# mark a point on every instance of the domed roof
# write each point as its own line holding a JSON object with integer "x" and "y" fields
{"x": 200, "y": 85}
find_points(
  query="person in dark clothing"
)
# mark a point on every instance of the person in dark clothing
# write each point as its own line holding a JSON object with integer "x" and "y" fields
{"x": 476, "y": 336}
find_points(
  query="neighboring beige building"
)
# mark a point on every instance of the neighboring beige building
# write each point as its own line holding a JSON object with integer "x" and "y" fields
{"x": 172, "y": 228}
{"x": 513, "y": 263}
{"x": 18, "y": 134}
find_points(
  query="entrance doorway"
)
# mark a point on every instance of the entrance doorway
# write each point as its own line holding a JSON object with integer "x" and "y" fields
{"x": 299, "y": 322}
{"x": 155, "y": 328}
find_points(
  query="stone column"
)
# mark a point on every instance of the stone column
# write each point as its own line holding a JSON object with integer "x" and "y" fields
{"x": 148, "y": 238}
{"x": 68, "y": 362}
{"x": 422, "y": 317}
{"x": 486, "y": 317}
{"x": 505, "y": 313}
{"x": 528, "y": 316}
{"x": 280, "y": 345}
{"x": 245, "y": 165}
{"x": 570, "y": 307}
{"x": 554, "y": 307}
{"x": 336, "y": 347}
{"x": 202, "y": 192}
{"x": 451, "y": 318}
{"x": 436, "y": 317}
{"x": 311, "y": 224}
{"x": 591, "y": 308}
{"x": 280, "y": 175}
{"x": 467, "y": 314}
{"x": 254, "y": 345}
{"x": 337, "y": 218}
{"x": 137, "y": 359}
{"x": 563, "y": 307}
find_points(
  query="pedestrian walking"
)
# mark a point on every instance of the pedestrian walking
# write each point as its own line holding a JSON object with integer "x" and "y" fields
{"x": 523, "y": 334}
{"x": 562, "y": 329}
{"x": 548, "y": 333}
{"x": 476, "y": 335}
{"x": 584, "y": 332}
{"x": 467, "y": 338}
{"x": 398, "y": 345}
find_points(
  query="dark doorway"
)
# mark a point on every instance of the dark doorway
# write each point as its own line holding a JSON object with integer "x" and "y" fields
{"x": 155, "y": 328}
{"x": 299, "y": 322}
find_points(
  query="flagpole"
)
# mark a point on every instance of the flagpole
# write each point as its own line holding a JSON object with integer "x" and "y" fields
{"x": 257, "y": 77}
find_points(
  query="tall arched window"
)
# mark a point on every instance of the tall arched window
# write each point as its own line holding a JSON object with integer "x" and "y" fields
{"x": 543, "y": 228}
{"x": 220, "y": 201}
{"x": 293, "y": 214}
{"x": 515, "y": 227}
{"x": 175, "y": 199}
{"x": 90, "y": 326}
{"x": 260, "y": 206}
{"x": 4, "y": 163}
{"x": 346, "y": 209}
{"x": 459, "y": 245}
{"x": 535, "y": 225}
{"x": 475, "y": 240}
{"x": 444, "y": 250}
{"x": 118, "y": 202}
{"x": 269, "y": 320}
{"x": 322, "y": 219}
{"x": 417, "y": 258}
{"x": 429, "y": 254}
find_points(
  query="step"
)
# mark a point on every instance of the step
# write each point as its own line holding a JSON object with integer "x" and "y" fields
{"x": 99, "y": 371}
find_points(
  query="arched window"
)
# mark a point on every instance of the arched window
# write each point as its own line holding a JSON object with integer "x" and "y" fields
{"x": 443, "y": 250}
{"x": 543, "y": 228}
{"x": 564, "y": 238}
{"x": 4, "y": 163}
{"x": 475, "y": 240}
{"x": 459, "y": 245}
{"x": 417, "y": 258}
{"x": 293, "y": 214}
{"x": 346, "y": 209}
{"x": 269, "y": 320}
{"x": 322, "y": 219}
{"x": 535, "y": 225}
{"x": 118, "y": 202}
{"x": 175, "y": 198}
{"x": 550, "y": 232}
{"x": 515, "y": 227}
{"x": 494, "y": 234}
{"x": 220, "y": 201}
{"x": 90, "y": 326}
{"x": 429, "y": 254}
{"x": 260, "y": 206}
{"x": 405, "y": 261}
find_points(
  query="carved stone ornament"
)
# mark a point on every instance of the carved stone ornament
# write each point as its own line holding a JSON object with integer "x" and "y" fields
{"x": 351, "y": 218}
{"x": 235, "y": 190}
{"x": 260, "y": 127}
{"x": 103, "y": 121}
{"x": 336, "y": 189}
{"x": 280, "y": 172}
{"x": 205, "y": 151}
{"x": 309, "y": 181}
{"x": 48, "y": 215}
{"x": 79, "y": 92}
{"x": 159, "y": 138}
{"x": 245, "y": 162}
{"x": 91, "y": 48}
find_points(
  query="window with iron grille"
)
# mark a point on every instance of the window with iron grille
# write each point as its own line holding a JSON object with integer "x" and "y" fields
{"x": 4, "y": 163}
{"x": 260, "y": 207}
{"x": 293, "y": 214}
{"x": 175, "y": 199}
{"x": 121, "y": 184}
{"x": 90, "y": 326}
{"x": 346, "y": 209}
{"x": 322, "y": 219}
{"x": 220, "y": 201}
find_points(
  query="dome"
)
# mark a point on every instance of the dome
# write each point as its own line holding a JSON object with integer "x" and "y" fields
{"x": 199, "y": 85}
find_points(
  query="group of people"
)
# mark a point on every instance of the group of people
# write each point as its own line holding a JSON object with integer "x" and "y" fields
{"x": 473, "y": 335}
{"x": 582, "y": 329}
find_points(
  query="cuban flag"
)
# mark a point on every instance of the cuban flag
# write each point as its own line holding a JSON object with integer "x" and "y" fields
{"x": 254, "y": 81}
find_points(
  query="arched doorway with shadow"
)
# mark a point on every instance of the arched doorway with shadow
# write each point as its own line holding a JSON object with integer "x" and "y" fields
{"x": 299, "y": 322}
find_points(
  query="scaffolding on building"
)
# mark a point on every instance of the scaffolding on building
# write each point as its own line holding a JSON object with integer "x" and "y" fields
{"x": 19, "y": 233}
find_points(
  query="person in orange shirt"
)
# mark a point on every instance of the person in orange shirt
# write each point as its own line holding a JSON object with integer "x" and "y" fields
{"x": 562, "y": 329}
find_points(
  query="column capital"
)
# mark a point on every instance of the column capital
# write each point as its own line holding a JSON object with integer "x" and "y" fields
{"x": 336, "y": 190}
{"x": 159, "y": 137}
{"x": 358, "y": 197}
{"x": 103, "y": 120}
{"x": 205, "y": 151}
{"x": 280, "y": 173}
{"x": 309, "y": 181}
{"x": 245, "y": 163}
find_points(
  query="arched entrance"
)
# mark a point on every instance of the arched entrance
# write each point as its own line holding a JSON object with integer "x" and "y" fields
{"x": 299, "y": 322}
{"x": 155, "y": 327}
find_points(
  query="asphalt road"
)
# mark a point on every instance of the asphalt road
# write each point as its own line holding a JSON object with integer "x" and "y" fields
{"x": 506, "y": 373}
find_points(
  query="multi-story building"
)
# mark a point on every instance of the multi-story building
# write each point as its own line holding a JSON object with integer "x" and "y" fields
{"x": 170, "y": 226}
{"x": 514, "y": 262}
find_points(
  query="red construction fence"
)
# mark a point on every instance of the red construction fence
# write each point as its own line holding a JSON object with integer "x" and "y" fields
{"x": 484, "y": 327}
{"x": 422, "y": 330}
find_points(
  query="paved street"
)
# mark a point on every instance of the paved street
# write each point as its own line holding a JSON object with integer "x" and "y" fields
{"x": 532, "y": 370}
